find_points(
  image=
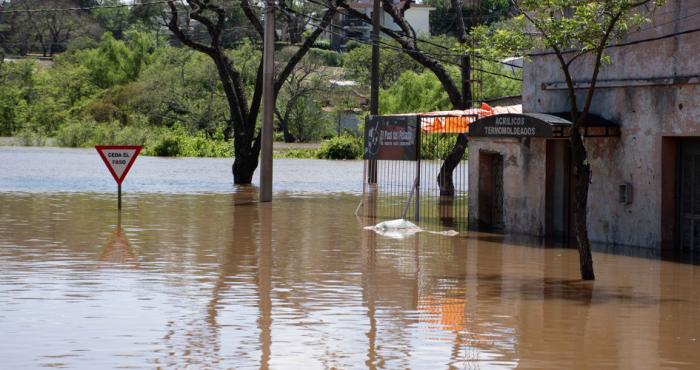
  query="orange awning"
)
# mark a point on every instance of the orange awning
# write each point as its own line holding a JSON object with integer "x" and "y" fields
{"x": 457, "y": 121}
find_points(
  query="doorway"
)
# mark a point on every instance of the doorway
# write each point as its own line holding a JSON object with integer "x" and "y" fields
{"x": 690, "y": 195}
{"x": 490, "y": 191}
{"x": 558, "y": 201}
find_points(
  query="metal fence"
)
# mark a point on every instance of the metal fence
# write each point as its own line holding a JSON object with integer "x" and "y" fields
{"x": 395, "y": 194}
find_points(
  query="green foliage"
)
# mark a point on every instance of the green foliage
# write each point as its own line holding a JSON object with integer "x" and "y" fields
{"x": 352, "y": 45}
{"x": 414, "y": 93}
{"x": 17, "y": 80}
{"x": 340, "y": 147}
{"x": 496, "y": 86}
{"x": 442, "y": 19}
{"x": 28, "y": 137}
{"x": 175, "y": 142}
{"x": 582, "y": 24}
{"x": 115, "y": 62}
{"x": 86, "y": 133}
{"x": 307, "y": 121}
{"x": 43, "y": 31}
{"x": 299, "y": 106}
{"x": 180, "y": 86}
{"x": 502, "y": 39}
{"x": 325, "y": 57}
{"x": 437, "y": 146}
{"x": 322, "y": 44}
{"x": 127, "y": 92}
{"x": 297, "y": 153}
{"x": 41, "y": 100}
{"x": 114, "y": 20}
{"x": 81, "y": 43}
{"x": 358, "y": 62}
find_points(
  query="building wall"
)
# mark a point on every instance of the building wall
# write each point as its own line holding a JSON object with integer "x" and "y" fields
{"x": 419, "y": 18}
{"x": 652, "y": 89}
{"x": 523, "y": 182}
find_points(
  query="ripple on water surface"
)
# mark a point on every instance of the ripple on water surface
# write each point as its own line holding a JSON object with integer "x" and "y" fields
{"x": 217, "y": 280}
{"x": 42, "y": 170}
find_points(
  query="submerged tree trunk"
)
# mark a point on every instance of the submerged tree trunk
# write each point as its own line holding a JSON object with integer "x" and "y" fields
{"x": 243, "y": 109}
{"x": 245, "y": 162}
{"x": 582, "y": 176}
{"x": 445, "y": 178}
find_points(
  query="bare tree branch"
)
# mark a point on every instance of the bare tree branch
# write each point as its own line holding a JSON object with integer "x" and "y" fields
{"x": 411, "y": 48}
{"x": 174, "y": 27}
{"x": 304, "y": 48}
{"x": 252, "y": 18}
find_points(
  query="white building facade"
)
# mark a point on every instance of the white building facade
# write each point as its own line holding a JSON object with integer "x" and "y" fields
{"x": 348, "y": 28}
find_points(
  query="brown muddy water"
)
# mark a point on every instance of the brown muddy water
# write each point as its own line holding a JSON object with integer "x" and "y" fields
{"x": 213, "y": 279}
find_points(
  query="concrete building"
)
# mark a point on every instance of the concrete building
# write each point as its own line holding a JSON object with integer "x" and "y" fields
{"x": 347, "y": 27}
{"x": 643, "y": 143}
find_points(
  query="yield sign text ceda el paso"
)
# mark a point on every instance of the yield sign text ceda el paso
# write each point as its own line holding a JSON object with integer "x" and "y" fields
{"x": 118, "y": 159}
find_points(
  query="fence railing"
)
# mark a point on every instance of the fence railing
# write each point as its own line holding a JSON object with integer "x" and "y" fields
{"x": 395, "y": 194}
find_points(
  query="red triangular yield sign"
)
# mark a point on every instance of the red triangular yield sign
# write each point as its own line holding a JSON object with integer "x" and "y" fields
{"x": 118, "y": 159}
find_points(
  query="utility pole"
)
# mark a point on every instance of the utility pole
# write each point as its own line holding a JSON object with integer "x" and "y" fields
{"x": 374, "y": 83}
{"x": 466, "y": 81}
{"x": 268, "y": 103}
{"x": 465, "y": 62}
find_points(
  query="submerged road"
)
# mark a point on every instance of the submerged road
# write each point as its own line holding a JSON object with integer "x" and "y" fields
{"x": 196, "y": 273}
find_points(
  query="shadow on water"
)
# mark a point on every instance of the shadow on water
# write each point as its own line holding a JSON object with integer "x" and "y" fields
{"x": 577, "y": 291}
{"x": 662, "y": 254}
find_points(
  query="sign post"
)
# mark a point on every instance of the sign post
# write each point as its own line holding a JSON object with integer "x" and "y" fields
{"x": 119, "y": 159}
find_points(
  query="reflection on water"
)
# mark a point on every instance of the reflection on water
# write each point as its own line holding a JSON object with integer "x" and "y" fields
{"x": 118, "y": 251}
{"x": 220, "y": 281}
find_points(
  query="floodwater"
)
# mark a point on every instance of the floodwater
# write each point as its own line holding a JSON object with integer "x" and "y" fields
{"x": 208, "y": 278}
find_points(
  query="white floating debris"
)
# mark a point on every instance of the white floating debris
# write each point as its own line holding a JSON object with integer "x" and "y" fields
{"x": 400, "y": 229}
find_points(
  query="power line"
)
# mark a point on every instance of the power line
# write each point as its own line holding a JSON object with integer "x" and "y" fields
{"x": 49, "y": 10}
{"x": 635, "y": 42}
{"x": 428, "y": 42}
{"x": 652, "y": 26}
{"x": 433, "y": 55}
{"x": 84, "y": 8}
{"x": 396, "y": 48}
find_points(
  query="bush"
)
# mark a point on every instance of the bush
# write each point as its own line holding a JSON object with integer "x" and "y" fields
{"x": 102, "y": 111}
{"x": 414, "y": 92}
{"x": 437, "y": 146}
{"x": 168, "y": 146}
{"x": 75, "y": 134}
{"x": 297, "y": 153}
{"x": 87, "y": 133}
{"x": 201, "y": 146}
{"x": 29, "y": 137}
{"x": 340, "y": 147}
{"x": 352, "y": 44}
{"x": 326, "y": 57}
{"x": 322, "y": 44}
{"x": 176, "y": 142}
